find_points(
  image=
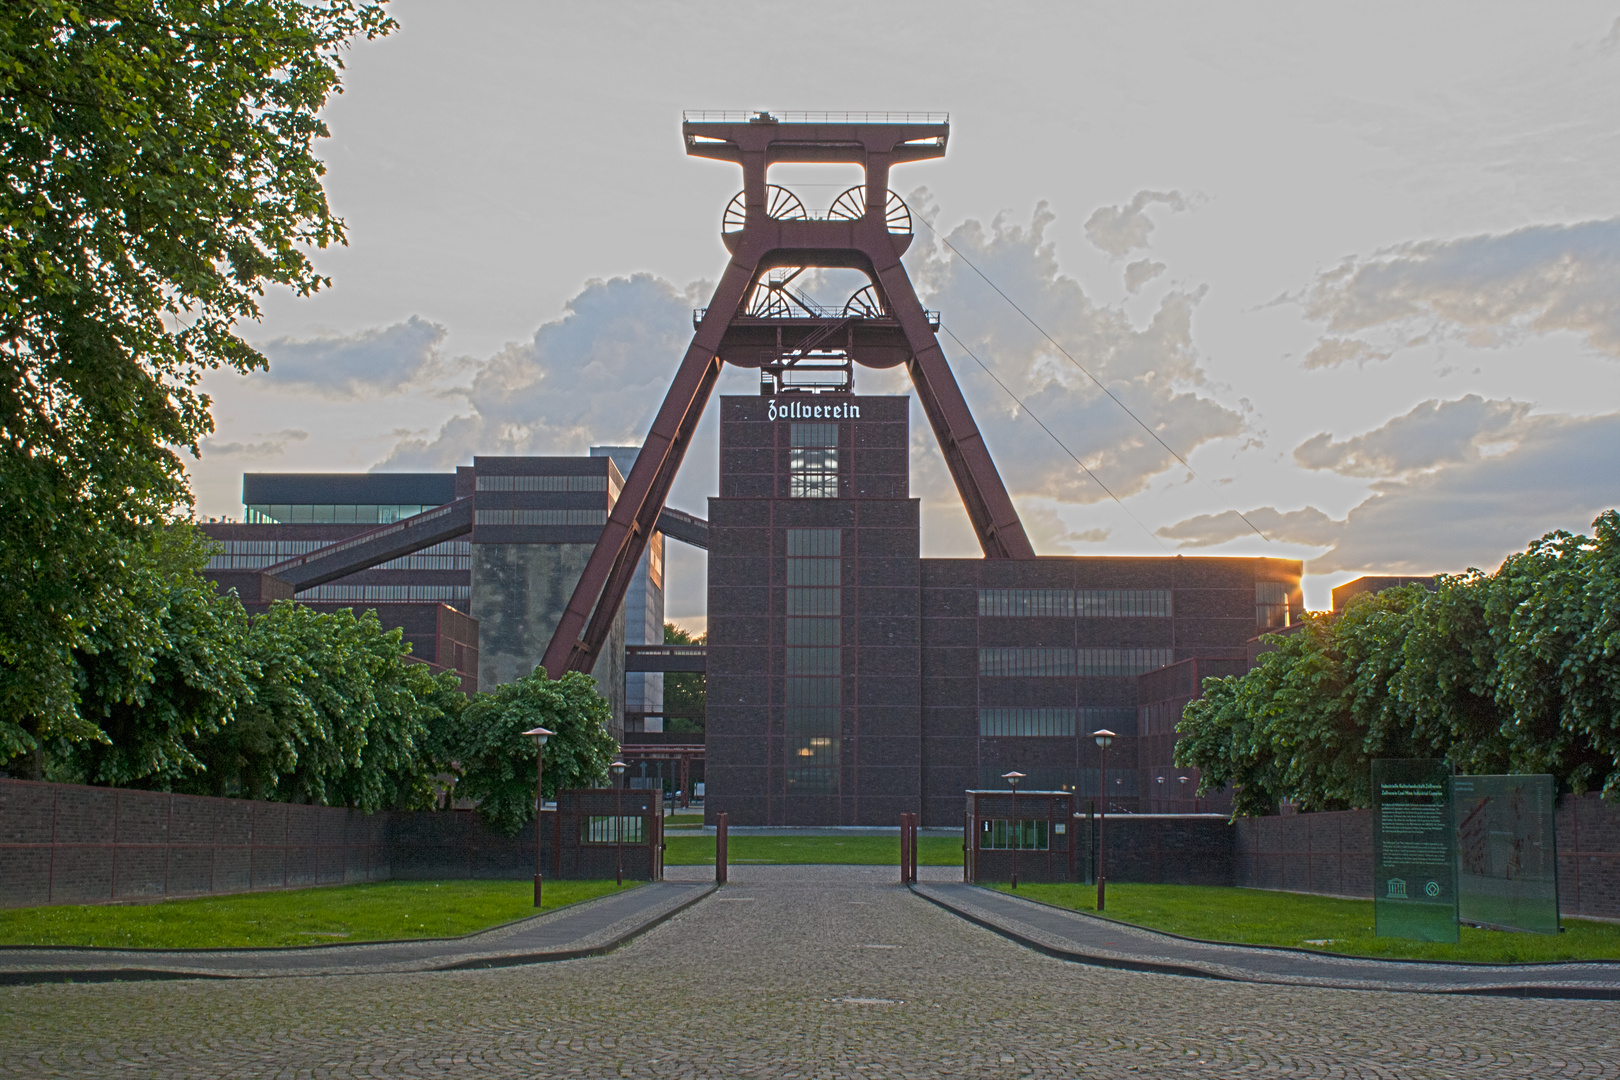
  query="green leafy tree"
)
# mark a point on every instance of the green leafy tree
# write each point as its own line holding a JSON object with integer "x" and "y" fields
{"x": 685, "y": 692}
{"x": 336, "y": 715}
{"x": 496, "y": 760}
{"x": 150, "y": 684}
{"x": 1516, "y": 671}
{"x": 159, "y": 173}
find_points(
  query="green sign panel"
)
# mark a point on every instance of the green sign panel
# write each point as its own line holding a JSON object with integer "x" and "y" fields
{"x": 1506, "y": 855}
{"x": 1414, "y": 850}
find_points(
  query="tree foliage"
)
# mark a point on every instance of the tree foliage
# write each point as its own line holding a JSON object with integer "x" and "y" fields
{"x": 496, "y": 760}
{"x": 684, "y": 691}
{"x": 1516, "y": 671}
{"x": 159, "y": 173}
{"x": 185, "y": 693}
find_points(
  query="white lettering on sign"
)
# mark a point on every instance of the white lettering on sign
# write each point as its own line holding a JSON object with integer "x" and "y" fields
{"x": 804, "y": 410}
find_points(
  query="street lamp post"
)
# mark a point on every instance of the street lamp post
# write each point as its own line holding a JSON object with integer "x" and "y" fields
{"x": 1012, "y": 779}
{"x": 618, "y": 768}
{"x": 1103, "y": 737}
{"x": 539, "y": 735}
{"x": 1183, "y": 780}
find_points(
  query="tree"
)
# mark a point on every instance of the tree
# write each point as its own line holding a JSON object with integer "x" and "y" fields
{"x": 159, "y": 172}
{"x": 1516, "y": 671}
{"x": 336, "y": 715}
{"x": 150, "y": 684}
{"x": 495, "y": 758}
{"x": 184, "y": 693}
{"x": 684, "y": 691}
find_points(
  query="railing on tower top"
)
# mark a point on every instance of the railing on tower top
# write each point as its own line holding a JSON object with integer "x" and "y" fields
{"x": 743, "y": 116}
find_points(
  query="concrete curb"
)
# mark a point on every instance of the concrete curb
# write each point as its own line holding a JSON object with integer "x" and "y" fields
{"x": 988, "y": 921}
{"x": 37, "y": 976}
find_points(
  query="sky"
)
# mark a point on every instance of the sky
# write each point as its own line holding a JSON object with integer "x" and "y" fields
{"x": 1350, "y": 274}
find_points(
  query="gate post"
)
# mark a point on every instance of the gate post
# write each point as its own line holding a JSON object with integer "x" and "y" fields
{"x": 719, "y": 849}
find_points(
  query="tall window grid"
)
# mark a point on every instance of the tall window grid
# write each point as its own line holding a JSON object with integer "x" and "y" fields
{"x": 812, "y": 687}
{"x": 813, "y": 461}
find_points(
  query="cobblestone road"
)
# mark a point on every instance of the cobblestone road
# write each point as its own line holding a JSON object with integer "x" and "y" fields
{"x": 793, "y": 972}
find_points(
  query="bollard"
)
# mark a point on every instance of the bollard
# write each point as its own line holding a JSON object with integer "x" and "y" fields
{"x": 916, "y": 821}
{"x": 905, "y": 849}
{"x": 719, "y": 849}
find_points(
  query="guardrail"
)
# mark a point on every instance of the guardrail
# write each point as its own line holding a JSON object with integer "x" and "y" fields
{"x": 758, "y": 116}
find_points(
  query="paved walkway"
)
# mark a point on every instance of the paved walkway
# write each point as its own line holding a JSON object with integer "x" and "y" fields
{"x": 583, "y": 929}
{"x": 793, "y": 972}
{"x": 1071, "y": 935}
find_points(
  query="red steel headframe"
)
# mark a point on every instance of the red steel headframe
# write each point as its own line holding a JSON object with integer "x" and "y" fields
{"x": 762, "y": 244}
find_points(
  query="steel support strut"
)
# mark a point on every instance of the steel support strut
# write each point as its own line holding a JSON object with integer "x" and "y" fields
{"x": 634, "y": 516}
{"x": 761, "y": 244}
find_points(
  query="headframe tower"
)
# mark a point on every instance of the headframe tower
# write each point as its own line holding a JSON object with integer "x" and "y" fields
{"x": 756, "y": 319}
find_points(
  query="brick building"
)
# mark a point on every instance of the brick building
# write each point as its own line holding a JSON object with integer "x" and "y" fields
{"x": 850, "y": 680}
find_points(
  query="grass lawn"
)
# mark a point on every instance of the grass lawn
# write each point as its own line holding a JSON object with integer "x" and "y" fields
{"x": 857, "y": 850}
{"x": 683, "y": 821}
{"x": 1319, "y": 923}
{"x": 376, "y": 911}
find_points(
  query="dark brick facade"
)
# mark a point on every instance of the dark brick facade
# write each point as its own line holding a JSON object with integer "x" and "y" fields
{"x": 948, "y": 672}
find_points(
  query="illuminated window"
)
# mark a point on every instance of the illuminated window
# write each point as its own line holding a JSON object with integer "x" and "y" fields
{"x": 813, "y": 461}
{"x": 1270, "y": 605}
{"x": 811, "y": 659}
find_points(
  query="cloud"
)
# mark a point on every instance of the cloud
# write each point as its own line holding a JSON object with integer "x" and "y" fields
{"x": 1558, "y": 475}
{"x": 275, "y": 443}
{"x": 1482, "y": 290}
{"x": 1309, "y": 526}
{"x": 1141, "y": 272}
{"x": 595, "y": 375}
{"x": 1434, "y": 433}
{"x": 371, "y": 362}
{"x": 1048, "y": 531}
{"x": 1153, "y": 368}
{"x": 1119, "y": 230}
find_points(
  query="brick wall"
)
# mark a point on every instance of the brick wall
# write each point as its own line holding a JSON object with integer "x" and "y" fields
{"x": 1331, "y": 854}
{"x": 71, "y": 844}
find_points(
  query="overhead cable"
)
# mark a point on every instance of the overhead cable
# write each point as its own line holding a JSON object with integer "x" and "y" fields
{"x": 1017, "y": 401}
{"x": 1041, "y": 330}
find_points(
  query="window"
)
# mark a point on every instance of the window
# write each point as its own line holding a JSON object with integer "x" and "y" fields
{"x": 1073, "y": 603}
{"x": 811, "y": 659}
{"x": 998, "y": 834}
{"x": 542, "y": 483}
{"x": 612, "y": 830}
{"x": 1060, "y": 663}
{"x": 337, "y": 514}
{"x": 813, "y": 461}
{"x": 541, "y": 517}
{"x": 997, "y": 723}
{"x": 1270, "y": 605}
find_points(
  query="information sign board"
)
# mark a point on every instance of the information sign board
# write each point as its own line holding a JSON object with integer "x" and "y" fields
{"x": 1414, "y": 850}
{"x": 1507, "y": 872}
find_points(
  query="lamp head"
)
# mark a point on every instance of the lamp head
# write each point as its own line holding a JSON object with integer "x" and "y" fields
{"x": 539, "y": 735}
{"x": 618, "y": 768}
{"x": 1012, "y": 778}
{"x": 1103, "y": 737}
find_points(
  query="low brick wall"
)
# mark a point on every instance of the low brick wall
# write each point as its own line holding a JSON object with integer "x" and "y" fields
{"x": 1169, "y": 849}
{"x": 70, "y": 844}
{"x": 1331, "y": 854}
